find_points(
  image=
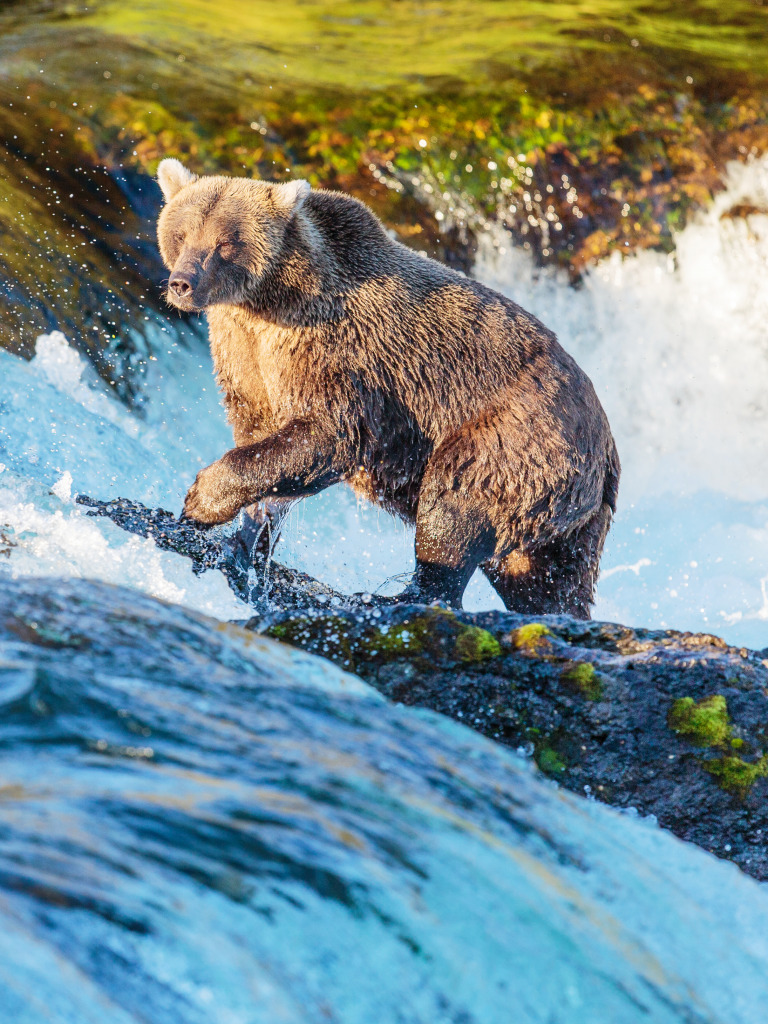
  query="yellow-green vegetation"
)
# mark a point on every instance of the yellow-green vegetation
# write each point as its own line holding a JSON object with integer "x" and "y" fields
{"x": 476, "y": 644}
{"x": 439, "y": 632}
{"x": 585, "y": 127}
{"x": 435, "y": 634}
{"x": 463, "y": 39}
{"x": 705, "y": 723}
{"x": 736, "y": 775}
{"x": 398, "y": 641}
{"x": 616, "y": 104}
{"x": 327, "y": 635}
{"x": 532, "y": 638}
{"x": 550, "y": 762}
{"x": 582, "y": 677}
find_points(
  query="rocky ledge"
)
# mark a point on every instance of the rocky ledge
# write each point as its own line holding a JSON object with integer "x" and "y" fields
{"x": 673, "y": 725}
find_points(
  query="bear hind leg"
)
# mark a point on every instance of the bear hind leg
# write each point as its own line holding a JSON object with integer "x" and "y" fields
{"x": 553, "y": 578}
{"x": 452, "y": 539}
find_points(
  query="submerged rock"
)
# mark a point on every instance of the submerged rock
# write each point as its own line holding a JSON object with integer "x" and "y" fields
{"x": 202, "y": 825}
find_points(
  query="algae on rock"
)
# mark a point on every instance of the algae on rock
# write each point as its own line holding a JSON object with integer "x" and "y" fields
{"x": 578, "y": 144}
{"x": 595, "y": 704}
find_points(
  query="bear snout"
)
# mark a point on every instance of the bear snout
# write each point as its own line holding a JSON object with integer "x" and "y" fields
{"x": 180, "y": 284}
{"x": 181, "y": 288}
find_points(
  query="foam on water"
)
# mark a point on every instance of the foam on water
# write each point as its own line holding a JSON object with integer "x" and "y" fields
{"x": 677, "y": 348}
{"x": 61, "y": 433}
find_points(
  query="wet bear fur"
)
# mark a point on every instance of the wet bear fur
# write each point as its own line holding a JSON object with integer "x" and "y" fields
{"x": 342, "y": 355}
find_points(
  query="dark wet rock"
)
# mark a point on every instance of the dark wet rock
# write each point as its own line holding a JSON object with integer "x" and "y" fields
{"x": 242, "y": 555}
{"x": 672, "y": 724}
{"x": 78, "y": 252}
{"x": 200, "y": 826}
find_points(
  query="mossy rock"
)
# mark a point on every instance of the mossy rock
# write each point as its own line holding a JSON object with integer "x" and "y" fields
{"x": 582, "y": 678}
{"x": 734, "y": 774}
{"x": 704, "y": 723}
{"x": 327, "y": 635}
{"x": 401, "y": 640}
{"x": 532, "y": 638}
{"x": 475, "y": 644}
{"x": 431, "y": 634}
{"x": 549, "y": 761}
{"x": 434, "y": 633}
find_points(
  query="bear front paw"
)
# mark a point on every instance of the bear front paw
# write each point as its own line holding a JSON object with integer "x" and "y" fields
{"x": 216, "y": 496}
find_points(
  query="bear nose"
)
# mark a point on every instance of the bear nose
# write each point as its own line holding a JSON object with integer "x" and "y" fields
{"x": 180, "y": 284}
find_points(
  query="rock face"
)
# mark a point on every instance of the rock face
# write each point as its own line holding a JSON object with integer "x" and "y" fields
{"x": 200, "y": 825}
{"x": 671, "y": 724}
{"x": 554, "y": 151}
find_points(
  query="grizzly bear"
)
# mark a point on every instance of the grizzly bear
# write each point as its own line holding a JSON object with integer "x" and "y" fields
{"x": 342, "y": 355}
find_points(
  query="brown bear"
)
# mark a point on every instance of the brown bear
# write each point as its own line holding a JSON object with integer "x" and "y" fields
{"x": 342, "y": 355}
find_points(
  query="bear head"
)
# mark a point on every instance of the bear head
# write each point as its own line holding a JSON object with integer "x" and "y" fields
{"x": 219, "y": 236}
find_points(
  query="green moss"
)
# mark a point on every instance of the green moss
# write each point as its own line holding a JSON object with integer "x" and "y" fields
{"x": 476, "y": 644}
{"x": 397, "y": 641}
{"x": 735, "y": 775}
{"x": 340, "y": 640}
{"x": 327, "y": 635}
{"x": 277, "y": 632}
{"x": 531, "y": 638}
{"x": 705, "y": 723}
{"x": 582, "y": 677}
{"x": 435, "y": 634}
{"x": 549, "y": 761}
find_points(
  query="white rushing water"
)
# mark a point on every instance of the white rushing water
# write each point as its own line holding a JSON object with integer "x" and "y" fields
{"x": 62, "y": 434}
{"x": 202, "y": 826}
{"x": 419, "y": 820}
{"x": 677, "y": 348}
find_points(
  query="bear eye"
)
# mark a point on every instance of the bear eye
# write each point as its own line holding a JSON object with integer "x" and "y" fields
{"x": 227, "y": 250}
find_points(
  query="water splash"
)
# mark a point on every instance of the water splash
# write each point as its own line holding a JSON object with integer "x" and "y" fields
{"x": 62, "y": 433}
{"x": 677, "y": 348}
{"x": 677, "y": 345}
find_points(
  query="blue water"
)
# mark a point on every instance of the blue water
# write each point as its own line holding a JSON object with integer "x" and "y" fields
{"x": 200, "y": 826}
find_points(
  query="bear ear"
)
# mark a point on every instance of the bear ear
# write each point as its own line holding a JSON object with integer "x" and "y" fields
{"x": 172, "y": 176}
{"x": 291, "y": 195}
